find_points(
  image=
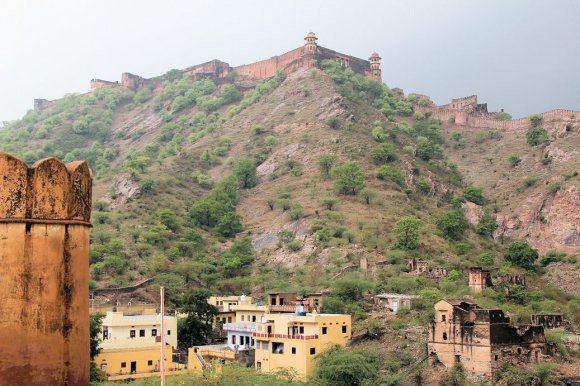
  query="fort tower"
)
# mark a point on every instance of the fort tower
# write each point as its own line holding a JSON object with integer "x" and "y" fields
{"x": 375, "y": 60}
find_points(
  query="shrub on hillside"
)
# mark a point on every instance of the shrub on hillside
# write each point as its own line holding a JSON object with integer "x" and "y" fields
{"x": 383, "y": 153}
{"x": 514, "y": 160}
{"x": 536, "y": 136}
{"x": 452, "y": 224}
{"x": 474, "y": 194}
{"x": 392, "y": 173}
{"x": 520, "y": 253}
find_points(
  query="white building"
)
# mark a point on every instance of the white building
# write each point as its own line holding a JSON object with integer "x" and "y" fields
{"x": 133, "y": 331}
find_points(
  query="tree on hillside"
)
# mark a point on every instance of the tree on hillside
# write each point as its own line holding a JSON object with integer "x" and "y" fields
{"x": 325, "y": 163}
{"x": 383, "y": 153}
{"x": 245, "y": 173}
{"x": 95, "y": 329}
{"x": 407, "y": 231}
{"x": 520, "y": 253}
{"x": 426, "y": 149}
{"x": 487, "y": 224}
{"x": 341, "y": 367}
{"x": 168, "y": 218}
{"x": 196, "y": 328}
{"x": 452, "y": 224}
{"x": 349, "y": 178}
{"x": 536, "y": 136}
{"x": 502, "y": 116}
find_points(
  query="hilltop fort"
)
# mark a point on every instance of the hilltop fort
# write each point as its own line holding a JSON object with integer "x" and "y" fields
{"x": 307, "y": 56}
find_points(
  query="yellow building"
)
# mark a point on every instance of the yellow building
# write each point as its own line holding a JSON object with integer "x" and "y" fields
{"x": 294, "y": 340}
{"x": 131, "y": 344}
{"x": 224, "y": 305}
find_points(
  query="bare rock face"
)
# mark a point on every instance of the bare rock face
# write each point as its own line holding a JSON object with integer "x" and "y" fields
{"x": 473, "y": 212}
{"x": 546, "y": 221}
{"x": 124, "y": 188}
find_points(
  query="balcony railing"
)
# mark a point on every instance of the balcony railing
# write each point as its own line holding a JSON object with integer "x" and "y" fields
{"x": 290, "y": 308}
{"x": 284, "y": 336}
{"x": 241, "y": 327}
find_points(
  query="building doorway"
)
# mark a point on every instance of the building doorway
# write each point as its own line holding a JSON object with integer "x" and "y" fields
{"x": 133, "y": 367}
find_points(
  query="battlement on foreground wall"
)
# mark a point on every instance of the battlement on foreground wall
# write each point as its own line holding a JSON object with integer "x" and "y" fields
{"x": 45, "y": 213}
{"x": 47, "y": 191}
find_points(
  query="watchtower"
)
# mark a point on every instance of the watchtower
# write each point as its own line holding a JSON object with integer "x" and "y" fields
{"x": 44, "y": 281}
{"x": 375, "y": 60}
{"x": 479, "y": 279}
{"x": 310, "y": 46}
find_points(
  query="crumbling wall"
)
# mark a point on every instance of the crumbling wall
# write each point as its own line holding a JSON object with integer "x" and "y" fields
{"x": 547, "y": 320}
{"x": 99, "y": 83}
{"x": 44, "y": 246}
{"x": 214, "y": 69}
{"x": 42, "y": 104}
{"x": 132, "y": 81}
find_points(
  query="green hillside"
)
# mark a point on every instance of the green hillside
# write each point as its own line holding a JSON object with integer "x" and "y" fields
{"x": 291, "y": 183}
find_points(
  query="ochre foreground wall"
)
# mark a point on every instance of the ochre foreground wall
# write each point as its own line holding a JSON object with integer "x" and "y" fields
{"x": 44, "y": 248}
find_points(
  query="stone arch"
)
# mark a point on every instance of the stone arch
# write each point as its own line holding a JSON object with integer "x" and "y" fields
{"x": 13, "y": 182}
{"x": 49, "y": 190}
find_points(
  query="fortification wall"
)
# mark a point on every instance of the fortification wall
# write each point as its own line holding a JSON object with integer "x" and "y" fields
{"x": 100, "y": 83}
{"x": 462, "y": 118}
{"x": 359, "y": 66}
{"x": 214, "y": 68}
{"x": 44, "y": 247}
{"x": 133, "y": 82}
{"x": 42, "y": 104}
{"x": 267, "y": 68}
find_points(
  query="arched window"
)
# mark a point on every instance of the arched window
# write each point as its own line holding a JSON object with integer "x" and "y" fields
{"x": 444, "y": 336}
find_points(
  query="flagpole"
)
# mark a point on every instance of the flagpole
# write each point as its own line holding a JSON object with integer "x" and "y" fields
{"x": 162, "y": 363}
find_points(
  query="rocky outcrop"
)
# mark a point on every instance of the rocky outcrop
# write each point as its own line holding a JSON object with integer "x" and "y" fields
{"x": 546, "y": 221}
{"x": 123, "y": 189}
{"x": 473, "y": 212}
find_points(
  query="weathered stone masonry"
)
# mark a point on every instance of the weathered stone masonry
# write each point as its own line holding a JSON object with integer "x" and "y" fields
{"x": 44, "y": 246}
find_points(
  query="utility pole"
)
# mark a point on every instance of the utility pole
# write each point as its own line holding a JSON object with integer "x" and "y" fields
{"x": 162, "y": 363}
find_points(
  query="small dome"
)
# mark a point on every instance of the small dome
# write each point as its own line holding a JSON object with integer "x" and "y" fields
{"x": 375, "y": 55}
{"x": 311, "y": 35}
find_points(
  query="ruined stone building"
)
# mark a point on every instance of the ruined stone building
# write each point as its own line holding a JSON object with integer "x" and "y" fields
{"x": 482, "y": 340}
{"x": 44, "y": 282}
{"x": 421, "y": 268}
{"x": 480, "y": 278}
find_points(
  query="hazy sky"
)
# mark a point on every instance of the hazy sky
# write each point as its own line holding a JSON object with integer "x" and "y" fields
{"x": 520, "y": 55}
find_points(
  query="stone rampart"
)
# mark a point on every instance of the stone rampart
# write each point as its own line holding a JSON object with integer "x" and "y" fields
{"x": 267, "y": 68}
{"x": 44, "y": 246}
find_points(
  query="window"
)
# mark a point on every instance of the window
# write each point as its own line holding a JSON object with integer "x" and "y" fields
{"x": 258, "y": 365}
{"x": 293, "y": 350}
{"x": 277, "y": 348}
{"x": 519, "y": 350}
{"x": 253, "y": 318}
{"x": 233, "y": 339}
{"x": 149, "y": 362}
{"x": 105, "y": 333}
{"x": 154, "y": 332}
{"x": 312, "y": 351}
{"x": 496, "y": 357}
{"x": 132, "y": 333}
{"x": 103, "y": 366}
{"x": 229, "y": 319}
{"x": 324, "y": 330}
{"x": 344, "y": 329}
{"x": 443, "y": 318}
{"x": 168, "y": 332}
{"x": 444, "y": 336}
{"x": 141, "y": 333}
{"x": 301, "y": 330}
{"x": 123, "y": 365}
{"x": 242, "y": 318}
